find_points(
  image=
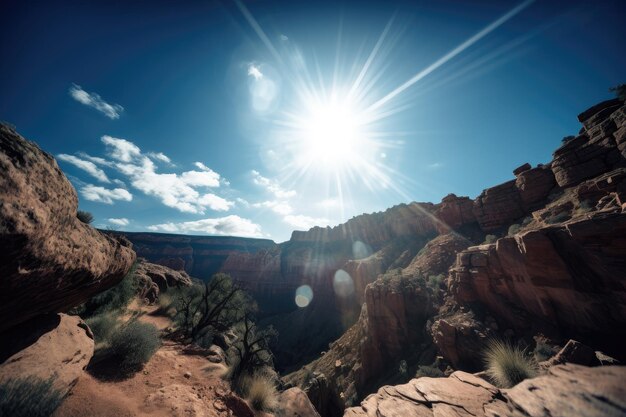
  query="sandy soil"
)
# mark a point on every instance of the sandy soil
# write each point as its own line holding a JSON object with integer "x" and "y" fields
{"x": 171, "y": 384}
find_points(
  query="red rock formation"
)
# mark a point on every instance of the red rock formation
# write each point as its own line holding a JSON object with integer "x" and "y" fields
{"x": 596, "y": 150}
{"x": 56, "y": 345}
{"x": 454, "y": 212}
{"x": 50, "y": 261}
{"x": 566, "y": 390}
{"x": 498, "y": 206}
{"x": 154, "y": 279}
{"x": 570, "y": 276}
{"x": 378, "y": 228}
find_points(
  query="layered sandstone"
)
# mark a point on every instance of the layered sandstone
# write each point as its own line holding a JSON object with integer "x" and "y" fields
{"x": 154, "y": 279}
{"x": 50, "y": 261}
{"x": 565, "y": 390}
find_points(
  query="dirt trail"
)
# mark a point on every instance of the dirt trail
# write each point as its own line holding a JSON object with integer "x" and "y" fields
{"x": 172, "y": 384}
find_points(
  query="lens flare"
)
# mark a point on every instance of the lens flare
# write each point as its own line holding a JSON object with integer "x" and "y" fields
{"x": 304, "y": 296}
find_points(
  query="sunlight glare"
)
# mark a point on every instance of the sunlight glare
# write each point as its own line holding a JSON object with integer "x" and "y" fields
{"x": 330, "y": 133}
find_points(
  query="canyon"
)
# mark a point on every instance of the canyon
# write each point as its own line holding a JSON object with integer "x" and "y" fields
{"x": 537, "y": 260}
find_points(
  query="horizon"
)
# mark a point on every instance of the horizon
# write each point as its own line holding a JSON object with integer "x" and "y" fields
{"x": 258, "y": 119}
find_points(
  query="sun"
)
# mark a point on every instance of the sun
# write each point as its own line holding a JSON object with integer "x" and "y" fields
{"x": 330, "y": 133}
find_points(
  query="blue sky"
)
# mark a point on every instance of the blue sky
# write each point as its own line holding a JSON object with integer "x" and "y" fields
{"x": 259, "y": 118}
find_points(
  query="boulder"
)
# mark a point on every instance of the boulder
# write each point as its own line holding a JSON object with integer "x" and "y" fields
{"x": 294, "y": 403}
{"x": 50, "y": 261}
{"x": 453, "y": 213}
{"x": 54, "y": 346}
{"x": 570, "y": 390}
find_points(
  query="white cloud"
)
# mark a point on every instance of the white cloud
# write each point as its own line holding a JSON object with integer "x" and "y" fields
{"x": 302, "y": 222}
{"x": 230, "y": 225}
{"x": 160, "y": 156}
{"x": 271, "y": 186}
{"x": 215, "y": 202}
{"x": 279, "y": 207}
{"x": 95, "y": 159}
{"x": 254, "y": 72}
{"x": 119, "y": 222}
{"x": 86, "y": 166}
{"x": 202, "y": 167}
{"x": 104, "y": 195}
{"x": 112, "y": 111}
{"x": 121, "y": 149}
{"x": 201, "y": 178}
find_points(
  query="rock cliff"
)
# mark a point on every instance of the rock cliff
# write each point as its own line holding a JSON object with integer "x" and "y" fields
{"x": 50, "y": 261}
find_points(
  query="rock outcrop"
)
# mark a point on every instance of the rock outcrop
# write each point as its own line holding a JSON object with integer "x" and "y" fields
{"x": 50, "y": 261}
{"x": 569, "y": 277}
{"x": 565, "y": 390}
{"x": 294, "y": 403}
{"x": 154, "y": 279}
{"x": 54, "y": 346}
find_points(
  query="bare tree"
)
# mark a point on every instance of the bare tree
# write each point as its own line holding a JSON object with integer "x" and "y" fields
{"x": 219, "y": 304}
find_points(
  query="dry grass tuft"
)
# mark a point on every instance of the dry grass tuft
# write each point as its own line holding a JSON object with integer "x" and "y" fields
{"x": 508, "y": 365}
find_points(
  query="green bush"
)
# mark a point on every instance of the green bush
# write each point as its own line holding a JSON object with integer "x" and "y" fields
{"x": 134, "y": 344}
{"x": 84, "y": 216}
{"x": 508, "y": 365}
{"x": 428, "y": 371}
{"x": 514, "y": 229}
{"x": 113, "y": 299}
{"x": 102, "y": 326}
{"x": 490, "y": 239}
{"x": 28, "y": 397}
{"x": 260, "y": 391}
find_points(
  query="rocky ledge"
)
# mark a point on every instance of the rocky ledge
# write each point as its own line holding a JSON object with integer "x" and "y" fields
{"x": 565, "y": 390}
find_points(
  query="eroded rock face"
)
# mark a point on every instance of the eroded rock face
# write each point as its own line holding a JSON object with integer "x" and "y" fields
{"x": 571, "y": 276}
{"x": 54, "y": 346}
{"x": 50, "y": 261}
{"x": 154, "y": 279}
{"x": 595, "y": 151}
{"x": 566, "y": 390}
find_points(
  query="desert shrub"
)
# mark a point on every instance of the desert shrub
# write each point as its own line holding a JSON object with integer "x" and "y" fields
{"x": 403, "y": 368}
{"x": 514, "y": 229}
{"x": 260, "y": 391}
{"x": 28, "y": 397}
{"x": 435, "y": 281}
{"x": 429, "y": 371}
{"x": 102, "y": 326}
{"x": 205, "y": 339}
{"x": 251, "y": 351}
{"x": 558, "y": 218}
{"x": 490, "y": 239}
{"x": 543, "y": 351}
{"x": 508, "y": 365}
{"x": 619, "y": 91}
{"x": 84, "y": 216}
{"x": 134, "y": 344}
{"x": 217, "y": 305}
{"x": 115, "y": 298}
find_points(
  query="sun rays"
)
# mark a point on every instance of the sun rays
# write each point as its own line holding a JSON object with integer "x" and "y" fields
{"x": 333, "y": 127}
